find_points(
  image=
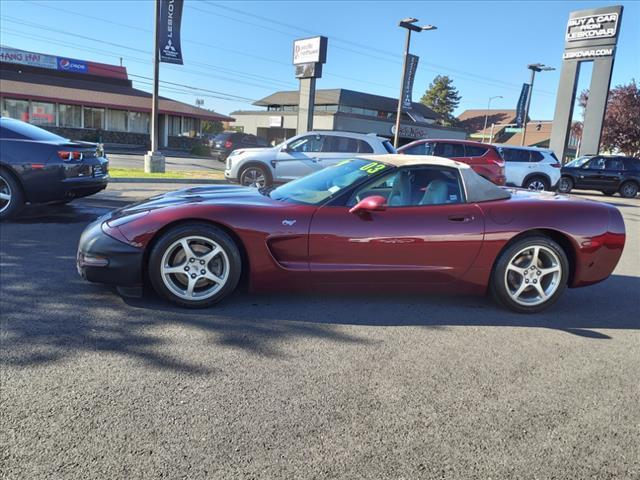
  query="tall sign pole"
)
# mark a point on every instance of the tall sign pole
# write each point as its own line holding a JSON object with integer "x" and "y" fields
{"x": 591, "y": 36}
{"x": 309, "y": 54}
{"x": 407, "y": 45}
{"x": 168, "y": 18}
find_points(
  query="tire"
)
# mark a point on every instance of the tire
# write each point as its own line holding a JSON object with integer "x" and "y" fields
{"x": 565, "y": 185}
{"x": 169, "y": 252}
{"x": 629, "y": 189}
{"x": 255, "y": 175}
{"x": 11, "y": 195}
{"x": 517, "y": 283}
{"x": 610, "y": 193}
{"x": 537, "y": 183}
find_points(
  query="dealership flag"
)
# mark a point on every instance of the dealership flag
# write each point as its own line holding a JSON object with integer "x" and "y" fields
{"x": 522, "y": 105}
{"x": 169, "y": 31}
{"x": 409, "y": 75}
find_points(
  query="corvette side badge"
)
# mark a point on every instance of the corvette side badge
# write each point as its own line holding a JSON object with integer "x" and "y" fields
{"x": 288, "y": 223}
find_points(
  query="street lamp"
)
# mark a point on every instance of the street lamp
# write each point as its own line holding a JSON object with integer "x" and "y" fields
{"x": 486, "y": 116}
{"x": 534, "y": 67}
{"x": 409, "y": 24}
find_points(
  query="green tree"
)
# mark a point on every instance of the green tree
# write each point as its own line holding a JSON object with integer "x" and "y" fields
{"x": 211, "y": 126}
{"x": 443, "y": 98}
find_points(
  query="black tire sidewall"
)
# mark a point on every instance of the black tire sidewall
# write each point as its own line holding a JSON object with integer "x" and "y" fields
{"x": 265, "y": 172}
{"x": 622, "y": 187}
{"x": 17, "y": 196}
{"x": 192, "y": 229}
{"x": 498, "y": 288}
{"x": 569, "y": 183}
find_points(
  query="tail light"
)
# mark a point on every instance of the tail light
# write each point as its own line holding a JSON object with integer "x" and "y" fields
{"x": 228, "y": 144}
{"x": 67, "y": 156}
{"x": 556, "y": 165}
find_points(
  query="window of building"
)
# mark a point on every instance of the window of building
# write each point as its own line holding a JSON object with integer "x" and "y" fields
{"x": 139, "y": 122}
{"x": 42, "y": 113}
{"x": 117, "y": 120}
{"x": 175, "y": 126}
{"x": 188, "y": 126}
{"x": 94, "y": 118}
{"x": 18, "y": 109}
{"x": 70, "y": 116}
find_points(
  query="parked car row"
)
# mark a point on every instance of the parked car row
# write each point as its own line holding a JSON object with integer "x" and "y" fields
{"x": 609, "y": 174}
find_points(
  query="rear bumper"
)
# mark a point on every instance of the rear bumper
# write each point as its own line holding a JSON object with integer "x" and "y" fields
{"x": 103, "y": 259}
{"x": 83, "y": 187}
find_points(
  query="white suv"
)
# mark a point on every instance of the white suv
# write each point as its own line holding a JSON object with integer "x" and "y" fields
{"x": 530, "y": 167}
{"x": 299, "y": 156}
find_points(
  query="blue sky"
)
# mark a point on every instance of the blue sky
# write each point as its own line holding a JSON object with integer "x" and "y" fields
{"x": 242, "y": 50}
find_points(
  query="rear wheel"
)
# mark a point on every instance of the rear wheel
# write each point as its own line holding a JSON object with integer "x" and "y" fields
{"x": 195, "y": 265}
{"x": 537, "y": 183}
{"x": 629, "y": 189}
{"x": 255, "y": 176}
{"x": 565, "y": 185}
{"x": 11, "y": 196}
{"x": 530, "y": 275}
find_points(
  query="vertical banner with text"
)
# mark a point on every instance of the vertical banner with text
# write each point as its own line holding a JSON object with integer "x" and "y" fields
{"x": 169, "y": 31}
{"x": 409, "y": 75}
{"x": 522, "y": 105}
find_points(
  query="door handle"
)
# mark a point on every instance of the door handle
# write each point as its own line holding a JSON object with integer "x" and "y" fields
{"x": 460, "y": 218}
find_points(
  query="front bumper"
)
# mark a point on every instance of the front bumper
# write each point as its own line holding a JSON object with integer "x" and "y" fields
{"x": 103, "y": 259}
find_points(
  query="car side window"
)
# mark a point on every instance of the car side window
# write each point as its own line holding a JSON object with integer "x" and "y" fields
{"x": 632, "y": 163}
{"x": 250, "y": 140}
{"x": 596, "y": 163}
{"x": 364, "y": 147}
{"x": 535, "y": 156}
{"x": 614, "y": 164}
{"x": 420, "y": 149}
{"x": 411, "y": 187}
{"x": 333, "y": 143}
{"x": 474, "y": 151}
{"x": 308, "y": 143}
{"x": 449, "y": 150}
{"x": 515, "y": 155}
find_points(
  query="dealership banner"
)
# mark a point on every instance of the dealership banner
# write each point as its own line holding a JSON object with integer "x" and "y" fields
{"x": 522, "y": 105}
{"x": 407, "y": 87}
{"x": 169, "y": 31}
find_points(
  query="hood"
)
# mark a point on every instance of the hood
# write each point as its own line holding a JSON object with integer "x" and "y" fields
{"x": 214, "y": 194}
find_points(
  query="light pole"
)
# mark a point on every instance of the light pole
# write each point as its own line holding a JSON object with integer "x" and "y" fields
{"x": 486, "y": 116}
{"x": 407, "y": 23}
{"x": 534, "y": 67}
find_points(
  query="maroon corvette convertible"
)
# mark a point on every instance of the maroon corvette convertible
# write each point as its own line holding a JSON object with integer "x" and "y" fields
{"x": 374, "y": 224}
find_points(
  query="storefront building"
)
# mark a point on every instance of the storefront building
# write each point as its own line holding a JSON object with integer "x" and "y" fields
{"x": 342, "y": 110}
{"x": 91, "y": 101}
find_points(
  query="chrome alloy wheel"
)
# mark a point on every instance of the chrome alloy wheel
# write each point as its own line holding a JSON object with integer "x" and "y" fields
{"x": 5, "y": 194}
{"x": 253, "y": 177}
{"x": 536, "y": 185}
{"x": 533, "y": 275}
{"x": 194, "y": 268}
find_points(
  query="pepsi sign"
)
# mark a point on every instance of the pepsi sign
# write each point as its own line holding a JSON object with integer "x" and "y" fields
{"x": 70, "y": 65}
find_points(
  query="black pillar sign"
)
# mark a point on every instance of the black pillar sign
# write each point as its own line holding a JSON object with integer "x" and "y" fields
{"x": 169, "y": 31}
{"x": 522, "y": 105}
{"x": 409, "y": 75}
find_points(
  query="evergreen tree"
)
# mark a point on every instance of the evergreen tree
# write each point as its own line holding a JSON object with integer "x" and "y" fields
{"x": 443, "y": 98}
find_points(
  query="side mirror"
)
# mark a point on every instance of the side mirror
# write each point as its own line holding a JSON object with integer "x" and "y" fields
{"x": 374, "y": 203}
{"x": 285, "y": 148}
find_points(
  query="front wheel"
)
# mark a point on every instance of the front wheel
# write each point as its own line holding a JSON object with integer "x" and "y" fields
{"x": 629, "y": 189}
{"x": 565, "y": 185}
{"x": 530, "y": 275}
{"x": 255, "y": 176}
{"x": 11, "y": 196}
{"x": 195, "y": 265}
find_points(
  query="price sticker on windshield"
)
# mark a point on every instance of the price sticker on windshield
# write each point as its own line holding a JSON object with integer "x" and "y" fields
{"x": 373, "y": 167}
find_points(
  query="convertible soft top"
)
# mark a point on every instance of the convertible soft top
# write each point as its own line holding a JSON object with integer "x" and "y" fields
{"x": 478, "y": 189}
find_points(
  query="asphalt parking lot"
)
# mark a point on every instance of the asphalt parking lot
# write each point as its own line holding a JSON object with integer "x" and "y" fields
{"x": 317, "y": 386}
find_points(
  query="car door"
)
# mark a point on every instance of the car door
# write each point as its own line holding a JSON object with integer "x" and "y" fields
{"x": 516, "y": 165}
{"x": 407, "y": 243}
{"x": 613, "y": 173}
{"x": 589, "y": 176}
{"x": 298, "y": 157}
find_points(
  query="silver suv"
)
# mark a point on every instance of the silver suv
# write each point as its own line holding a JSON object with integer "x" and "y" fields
{"x": 300, "y": 156}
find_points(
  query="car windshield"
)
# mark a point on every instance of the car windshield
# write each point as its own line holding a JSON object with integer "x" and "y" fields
{"x": 578, "y": 162}
{"x": 324, "y": 184}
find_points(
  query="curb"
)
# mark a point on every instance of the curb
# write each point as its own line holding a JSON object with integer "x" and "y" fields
{"x": 189, "y": 181}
